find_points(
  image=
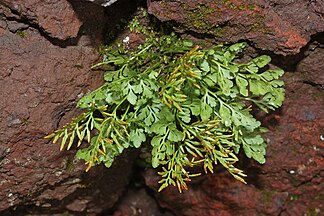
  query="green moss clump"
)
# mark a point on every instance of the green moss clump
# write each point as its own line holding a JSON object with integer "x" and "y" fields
{"x": 22, "y": 34}
{"x": 199, "y": 16}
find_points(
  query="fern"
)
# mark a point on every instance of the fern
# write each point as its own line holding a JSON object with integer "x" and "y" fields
{"x": 187, "y": 103}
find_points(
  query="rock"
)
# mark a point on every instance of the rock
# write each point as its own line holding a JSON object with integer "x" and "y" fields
{"x": 277, "y": 26}
{"x": 138, "y": 202}
{"x": 312, "y": 67}
{"x": 47, "y": 49}
{"x": 57, "y": 20}
{"x": 41, "y": 80}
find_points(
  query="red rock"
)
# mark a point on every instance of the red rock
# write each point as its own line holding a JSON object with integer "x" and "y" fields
{"x": 274, "y": 26}
{"x": 58, "y": 19}
{"x": 40, "y": 84}
{"x": 41, "y": 78}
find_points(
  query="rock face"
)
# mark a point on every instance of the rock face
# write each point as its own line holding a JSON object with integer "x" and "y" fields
{"x": 279, "y": 26}
{"x": 46, "y": 50}
{"x": 57, "y": 20}
{"x": 44, "y": 69}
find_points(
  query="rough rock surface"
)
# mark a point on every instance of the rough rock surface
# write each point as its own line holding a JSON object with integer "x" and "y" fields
{"x": 280, "y": 26}
{"x": 291, "y": 180}
{"x": 42, "y": 75}
{"x": 139, "y": 202}
{"x": 46, "y": 50}
{"x": 57, "y": 19}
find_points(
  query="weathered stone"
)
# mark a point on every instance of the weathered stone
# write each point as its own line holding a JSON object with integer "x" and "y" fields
{"x": 58, "y": 19}
{"x": 278, "y": 26}
{"x": 40, "y": 84}
{"x": 42, "y": 76}
{"x": 138, "y": 202}
{"x": 312, "y": 67}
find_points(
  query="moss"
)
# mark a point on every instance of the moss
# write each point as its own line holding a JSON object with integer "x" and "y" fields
{"x": 251, "y": 7}
{"x": 267, "y": 196}
{"x": 259, "y": 26}
{"x": 69, "y": 164}
{"x": 21, "y": 34}
{"x": 312, "y": 212}
{"x": 318, "y": 95}
{"x": 198, "y": 16}
{"x": 238, "y": 7}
